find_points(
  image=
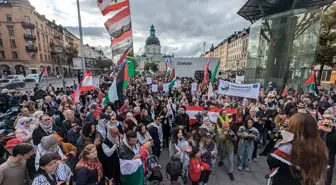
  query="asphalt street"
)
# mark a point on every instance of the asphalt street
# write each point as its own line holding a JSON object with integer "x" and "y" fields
{"x": 56, "y": 82}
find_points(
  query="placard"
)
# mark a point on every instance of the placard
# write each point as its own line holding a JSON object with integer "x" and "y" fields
{"x": 95, "y": 82}
{"x": 239, "y": 90}
{"x": 149, "y": 80}
{"x": 166, "y": 87}
{"x": 193, "y": 87}
{"x": 240, "y": 79}
{"x": 154, "y": 88}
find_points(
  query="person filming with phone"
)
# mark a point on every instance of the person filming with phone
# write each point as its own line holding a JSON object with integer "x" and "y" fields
{"x": 328, "y": 134}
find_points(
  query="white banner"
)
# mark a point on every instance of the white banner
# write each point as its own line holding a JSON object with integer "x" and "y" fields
{"x": 239, "y": 90}
{"x": 154, "y": 88}
{"x": 166, "y": 87}
{"x": 149, "y": 80}
{"x": 240, "y": 79}
{"x": 95, "y": 82}
{"x": 177, "y": 83}
{"x": 193, "y": 87}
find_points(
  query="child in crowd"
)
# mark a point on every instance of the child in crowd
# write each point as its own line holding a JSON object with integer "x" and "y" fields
{"x": 197, "y": 169}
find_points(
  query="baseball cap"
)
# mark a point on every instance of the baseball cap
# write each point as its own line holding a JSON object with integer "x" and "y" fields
{"x": 12, "y": 142}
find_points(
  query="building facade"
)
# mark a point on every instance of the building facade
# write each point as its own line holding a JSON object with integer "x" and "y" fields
{"x": 237, "y": 51}
{"x": 27, "y": 40}
{"x": 153, "y": 46}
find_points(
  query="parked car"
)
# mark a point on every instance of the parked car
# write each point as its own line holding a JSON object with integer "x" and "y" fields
{"x": 30, "y": 78}
{"x": 11, "y": 84}
{"x": 12, "y": 77}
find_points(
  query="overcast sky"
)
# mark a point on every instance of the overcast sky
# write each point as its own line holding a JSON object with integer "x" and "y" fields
{"x": 181, "y": 25}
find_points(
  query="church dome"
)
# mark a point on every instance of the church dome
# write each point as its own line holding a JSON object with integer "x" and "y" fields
{"x": 152, "y": 39}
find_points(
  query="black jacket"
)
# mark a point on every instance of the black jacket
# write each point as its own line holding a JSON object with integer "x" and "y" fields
{"x": 331, "y": 140}
{"x": 38, "y": 133}
{"x": 182, "y": 119}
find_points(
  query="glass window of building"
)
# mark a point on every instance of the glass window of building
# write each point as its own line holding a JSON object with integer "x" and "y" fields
{"x": 10, "y": 30}
{"x": 15, "y": 55}
{"x": 1, "y": 43}
{"x": 30, "y": 43}
{"x": 27, "y": 19}
{"x": 2, "y": 54}
{"x": 41, "y": 58}
{"x": 29, "y": 32}
{"x": 12, "y": 43}
{"x": 9, "y": 18}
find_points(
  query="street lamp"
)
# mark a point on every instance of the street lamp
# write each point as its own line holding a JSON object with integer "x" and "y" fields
{"x": 59, "y": 50}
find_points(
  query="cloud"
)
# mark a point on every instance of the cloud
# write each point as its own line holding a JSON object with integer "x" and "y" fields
{"x": 181, "y": 25}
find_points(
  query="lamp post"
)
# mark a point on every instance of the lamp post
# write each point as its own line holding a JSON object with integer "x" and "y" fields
{"x": 59, "y": 50}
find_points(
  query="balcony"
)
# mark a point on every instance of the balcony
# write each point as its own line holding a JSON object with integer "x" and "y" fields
{"x": 29, "y": 37}
{"x": 31, "y": 48}
{"x": 28, "y": 25}
{"x": 57, "y": 37}
{"x": 52, "y": 44}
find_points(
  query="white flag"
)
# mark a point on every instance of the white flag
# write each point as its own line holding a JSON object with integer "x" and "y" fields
{"x": 210, "y": 91}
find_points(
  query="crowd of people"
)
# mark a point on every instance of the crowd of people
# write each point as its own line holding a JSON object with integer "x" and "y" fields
{"x": 94, "y": 142}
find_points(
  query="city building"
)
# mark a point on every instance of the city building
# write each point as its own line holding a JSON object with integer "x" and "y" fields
{"x": 28, "y": 39}
{"x": 92, "y": 52}
{"x": 152, "y": 47}
{"x": 282, "y": 41}
{"x": 237, "y": 51}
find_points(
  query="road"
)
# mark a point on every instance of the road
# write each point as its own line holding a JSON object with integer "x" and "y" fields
{"x": 56, "y": 82}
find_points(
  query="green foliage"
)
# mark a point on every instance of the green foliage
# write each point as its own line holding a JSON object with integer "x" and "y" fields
{"x": 151, "y": 65}
{"x": 326, "y": 49}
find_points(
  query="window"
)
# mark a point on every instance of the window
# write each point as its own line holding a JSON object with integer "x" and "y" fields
{"x": 15, "y": 55}
{"x": 29, "y": 32}
{"x": 12, "y": 43}
{"x": 11, "y": 30}
{"x": 30, "y": 43}
{"x": 38, "y": 35}
{"x": 27, "y": 19}
{"x": 36, "y": 24}
{"x": 39, "y": 45}
{"x": 45, "y": 58}
{"x": 32, "y": 56}
{"x": 325, "y": 75}
{"x": 1, "y": 43}
{"x": 2, "y": 54}
{"x": 41, "y": 58}
{"x": 9, "y": 18}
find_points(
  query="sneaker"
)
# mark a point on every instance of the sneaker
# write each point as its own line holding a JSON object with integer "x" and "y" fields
{"x": 240, "y": 168}
{"x": 255, "y": 160}
{"x": 220, "y": 164}
{"x": 247, "y": 169}
{"x": 231, "y": 176}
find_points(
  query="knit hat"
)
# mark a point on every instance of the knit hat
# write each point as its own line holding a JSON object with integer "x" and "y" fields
{"x": 12, "y": 143}
{"x": 48, "y": 141}
{"x": 22, "y": 120}
{"x": 47, "y": 158}
{"x": 58, "y": 137}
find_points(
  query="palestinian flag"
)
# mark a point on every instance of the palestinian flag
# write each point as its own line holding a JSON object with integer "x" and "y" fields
{"x": 285, "y": 92}
{"x": 172, "y": 83}
{"x": 132, "y": 171}
{"x": 213, "y": 77}
{"x": 150, "y": 72}
{"x": 119, "y": 84}
{"x": 206, "y": 73}
{"x": 172, "y": 74}
{"x": 39, "y": 78}
{"x": 311, "y": 83}
{"x": 131, "y": 66}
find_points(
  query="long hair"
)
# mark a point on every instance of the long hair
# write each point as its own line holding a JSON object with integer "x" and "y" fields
{"x": 309, "y": 152}
{"x": 174, "y": 133}
{"x": 86, "y": 151}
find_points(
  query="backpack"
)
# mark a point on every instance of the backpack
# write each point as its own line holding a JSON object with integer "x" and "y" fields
{"x": 174, "y": 168}
{"x": 153, "y": 168}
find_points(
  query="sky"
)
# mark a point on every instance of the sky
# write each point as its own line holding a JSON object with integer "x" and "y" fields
{"x": 181, "y": 25}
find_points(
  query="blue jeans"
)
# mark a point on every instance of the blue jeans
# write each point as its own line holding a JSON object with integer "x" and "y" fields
{"x": 263, "y": 135}
{"x": 229, "y": 156}
{"x": 245, "y": 150}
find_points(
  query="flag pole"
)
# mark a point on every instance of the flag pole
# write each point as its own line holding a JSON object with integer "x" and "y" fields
{"x": 81, "y": 35}
{"x": 129, "y": 6}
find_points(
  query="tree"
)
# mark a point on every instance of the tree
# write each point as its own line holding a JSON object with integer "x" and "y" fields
{"x": 151, "y": 65}
{"x": 70, "y": 52}
{"x": 326, "y": 49}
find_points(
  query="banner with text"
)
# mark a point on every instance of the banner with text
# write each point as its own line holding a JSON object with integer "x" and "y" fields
{"x": 239, "y": 90}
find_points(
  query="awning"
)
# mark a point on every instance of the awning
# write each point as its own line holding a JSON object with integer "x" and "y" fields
{"x": 251, "y": 10}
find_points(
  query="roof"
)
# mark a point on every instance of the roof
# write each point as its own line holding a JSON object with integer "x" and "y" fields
{"x": 251, "y": 11}
{"x": 25, "y": 2}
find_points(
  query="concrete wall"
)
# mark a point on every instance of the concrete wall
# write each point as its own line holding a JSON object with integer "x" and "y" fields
{"x": 186, "y": 67}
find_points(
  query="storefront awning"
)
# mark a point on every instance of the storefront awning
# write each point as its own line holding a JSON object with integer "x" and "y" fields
{"x": 252, "y": 11}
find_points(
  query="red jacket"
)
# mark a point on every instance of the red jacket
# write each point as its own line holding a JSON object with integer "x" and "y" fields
{"x": 195, "y": 169}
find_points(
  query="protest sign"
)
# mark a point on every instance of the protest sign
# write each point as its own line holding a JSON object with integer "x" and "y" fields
{"x": 149, "y": 80}
{"x": 239, "y": 90}
{"x": 193, "y": 87}
{"x": 95, "y": 82}
{"x": 154, "y": 88}
{"x": 166, "y": 87}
